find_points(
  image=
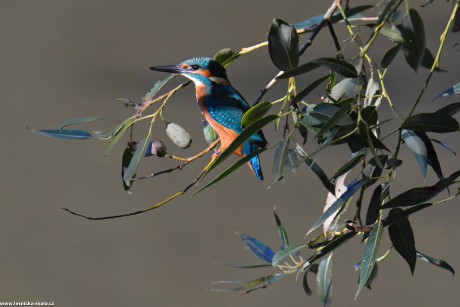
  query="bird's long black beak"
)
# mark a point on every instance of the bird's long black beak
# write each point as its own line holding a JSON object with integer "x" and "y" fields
{"x": 174, "y": 69}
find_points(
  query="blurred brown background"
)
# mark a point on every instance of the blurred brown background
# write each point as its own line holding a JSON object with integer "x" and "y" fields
{"x": 67, "y": 59}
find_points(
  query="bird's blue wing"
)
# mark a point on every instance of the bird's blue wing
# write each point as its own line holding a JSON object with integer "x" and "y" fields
{"x": 227, "y": 107}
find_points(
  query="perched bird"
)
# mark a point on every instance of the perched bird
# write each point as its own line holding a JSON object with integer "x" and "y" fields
{"x": 222, "y": 106}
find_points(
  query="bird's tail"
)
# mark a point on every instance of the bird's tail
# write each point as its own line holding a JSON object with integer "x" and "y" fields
{"x": 254, "y": 163}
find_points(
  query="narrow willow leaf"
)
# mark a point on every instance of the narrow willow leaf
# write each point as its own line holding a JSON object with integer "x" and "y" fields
{"x": 324, "y": 281}
{"x": 431, "y": 122}
{"x": 373, "y": 211}
{"x": 281, "y": 232}
{"x": 432, "y": 157}
{"x": 402, "y": 238}
{"x": 348, "y": 86}
{"x": 246, "y": 134}
{"x": 302, "y": 69}
{"x": 455, "y": 89}
{"x": 356, "y": 158}
{"x": 373, "y": 276}
{"x": 279, "y": 159}
{"x": 373, "y": 88}
{"x": 340, "y": 188}
{"x": 282, "y": 254}
{"x": 335, "y": 243}
{"x": 119, "y": 131}
{"x": 324, "y": 112}
{"x": 320, "y": 173}
{"x": 437, "y": 262}
{"x": 368, "y": 260}
{"x": 258, "y": 248}
{"x": 450, "y": 109}
{"x": 314, "y": 269}
{"x": 232, "y": 168}
{"x": 292, "y": 160}
{"x": 342, "y": 113}
{"x": 242, "y": 266}
{"x": 415, "y": 143}
{"x": 417, "y": 196}
{"x": 404, "y": 213}
{"x": 156, "y": 87}
{"x": 283, "y": 45}
{"x": 446, "y": 146}
{"x": 392, "y": 34}
{"x": 250, "y": 285}
{"x": 226, "y": 56}
{"x": 126, "y": 160}
{"x": 63, "y": 134}
{"x": 255, "y": 113}
{"x": 309, "y": 89}
{"x": 339, "y": 66}
{"x": 390, "y": 56}
{"x": 81, "y": 120}
{"x": 414, "y": 39}
{"x": 136, "y": 160}
{"x": 351, "y": 190}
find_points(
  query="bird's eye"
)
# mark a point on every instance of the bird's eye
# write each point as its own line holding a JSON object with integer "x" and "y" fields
{"x": 194, "y": 67}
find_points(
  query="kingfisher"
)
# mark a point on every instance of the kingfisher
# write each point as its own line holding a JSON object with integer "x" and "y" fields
{"x": 222, "y": 105}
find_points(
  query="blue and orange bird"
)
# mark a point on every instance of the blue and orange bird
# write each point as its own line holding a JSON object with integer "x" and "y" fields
{"x": 222, "y": 105}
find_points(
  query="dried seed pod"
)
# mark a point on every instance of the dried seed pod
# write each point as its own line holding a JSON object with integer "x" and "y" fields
{"x": 178, "y": 135}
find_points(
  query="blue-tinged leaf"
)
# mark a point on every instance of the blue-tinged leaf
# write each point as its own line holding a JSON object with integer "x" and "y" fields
{"x": 437, "y": 262}
{"x": 281, "y": 232}
{"x": 335, "y": 207}
{"x": 402, "y": 237}
{"x": 258, "y": 248}
{"x": 136, "y": 160}
{"x": 63, "y": 134}
{"x": 432, "y": 157}
{"x": 446, "y": 146}
{"x": 81, "y": 120}
{"x": 324, "y": 281}
{"x": 413, "y": 141}
{"x": 282, "y": 254}
{"x": 455, "y": 89}
{"x": 369, "y": 258}
{"x": 419, "y": 195}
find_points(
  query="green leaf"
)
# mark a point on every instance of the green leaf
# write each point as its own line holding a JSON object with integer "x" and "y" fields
{"x": 450, "y": 109}
{"x": 437, "y": 262}
{"x": 334, "y": 208}
{"x": 417, "y": 196}
{"x": 302, "y": 69}
{"x": 282, "y": 254}
{"x": 233, "y": 168}
{"x": 393, "y": 35}
{"x": 314, "y": 269}
{"x": 226, "y": 56}
{"x": 416, "y": 145}
{"x": 390, "y": 56}
{"x": 279, "y": 159}
{"x": 357, "y": 157}
{"x": 379, "y": 194}
{"x": 372, "y": 89}
{"x": 414, "y": 39}
{"x": 339, "y": 66}
{"x": 403, "y": 214}
{"x": 455, "y": 89}
{"x": 369, "y": 258}
{"x": 156, "y": 87}
{"x": 283, "y": 45}
{"x": 255, "y": 113}
{"x": 309, "y": 89}
{"x": 246, "y": 134}
{"x": 63, "y": 134}
{"x": 281, "y": 232}
{"x": 258, "y": 248}
{"x": 126, "y": 160}
{"x": 119, "y": 131}
{"x": 251, "y": 285}
{"x": 321, "y": 175}
{"x": 136, "y": 160}
{"x": 402, "y": 237}
{"x": 348, "y": 86}
{"x": 340, "y": 116}
{"x": 324, "y": 281}
{"x": 81, "y": 120}
{"x": 242, "y": 266}
{"x": 431, "y": 122}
